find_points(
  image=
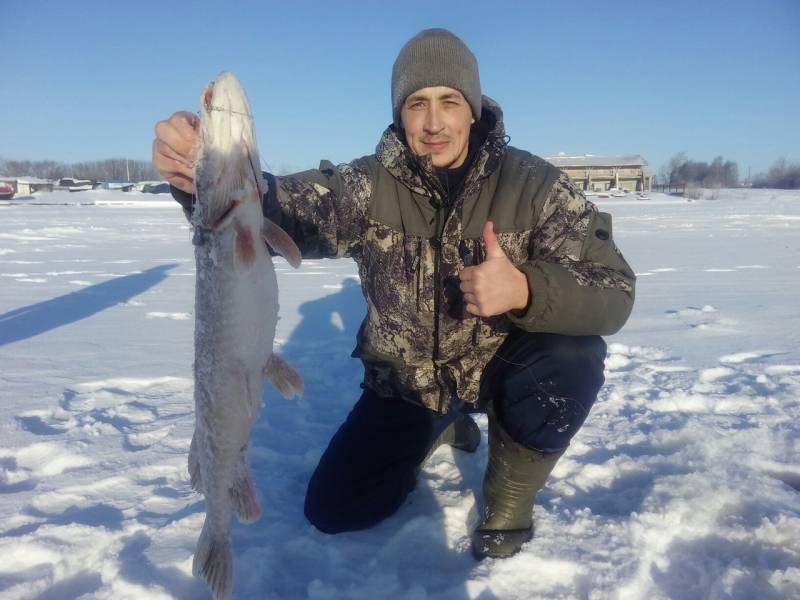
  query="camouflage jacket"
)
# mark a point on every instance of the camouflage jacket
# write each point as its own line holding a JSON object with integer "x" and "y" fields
{"x": 386, "y": 212}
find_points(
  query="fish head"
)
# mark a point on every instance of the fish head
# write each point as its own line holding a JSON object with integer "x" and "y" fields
{"x": 225, "y": 113}
{"x": 228, "y": 166}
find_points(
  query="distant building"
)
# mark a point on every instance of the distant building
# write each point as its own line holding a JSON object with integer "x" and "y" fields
{"x": 75, "y": 185}
{"x": 595, "y": 173}
{"x": 28, "y": 185}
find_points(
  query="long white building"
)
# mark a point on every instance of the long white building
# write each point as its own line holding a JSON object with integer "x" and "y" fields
{"x": 596, "y": 173}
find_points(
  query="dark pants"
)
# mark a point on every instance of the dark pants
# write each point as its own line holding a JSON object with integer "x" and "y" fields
{"x": 542, "y": 387}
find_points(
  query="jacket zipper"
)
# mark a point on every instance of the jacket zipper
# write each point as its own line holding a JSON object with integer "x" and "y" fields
{"x": 436, "y": 243}
{"x": 476, "y": 260}
{"x": 437, "y": 200}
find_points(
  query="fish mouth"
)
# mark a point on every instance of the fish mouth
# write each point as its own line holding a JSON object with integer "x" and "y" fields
{"x": 208, "y": 99}
{"x": 208, "y": 96}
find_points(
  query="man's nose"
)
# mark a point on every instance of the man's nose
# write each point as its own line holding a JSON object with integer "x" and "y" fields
{"x": 433, "y": 121}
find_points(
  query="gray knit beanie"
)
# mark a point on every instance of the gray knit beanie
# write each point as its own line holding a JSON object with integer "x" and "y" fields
{"x": 435, "y": 57}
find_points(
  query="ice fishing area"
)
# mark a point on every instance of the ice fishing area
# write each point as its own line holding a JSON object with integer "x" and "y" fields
{"x": 684, "y": 483}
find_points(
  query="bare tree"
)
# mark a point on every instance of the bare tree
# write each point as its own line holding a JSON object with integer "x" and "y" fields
{"x": 782, "y": 175}
{"x": 720, "y": 173}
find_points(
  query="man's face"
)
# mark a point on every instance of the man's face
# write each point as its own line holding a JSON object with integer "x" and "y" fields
{"x": 437, "y": 121}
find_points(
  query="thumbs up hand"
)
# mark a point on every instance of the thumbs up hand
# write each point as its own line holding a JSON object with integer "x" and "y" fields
{"x": 495, "y": 286}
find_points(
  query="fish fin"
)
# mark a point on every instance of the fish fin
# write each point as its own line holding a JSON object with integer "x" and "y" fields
{"x": 225, "y": 218}
{"x": 258, "y": 177}
{"x": 213, "y": 560}
{"x": 194, "y": 465}
{"x": 243, "y": 493}
{"x": 281, "y": 243}
{"x": 285, "y": 379}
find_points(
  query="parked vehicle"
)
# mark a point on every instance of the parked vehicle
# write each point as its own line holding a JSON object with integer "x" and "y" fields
{"x": 156, "y": 188}
{"x": 6, "y": 191}
{"x": 115, "y": 184}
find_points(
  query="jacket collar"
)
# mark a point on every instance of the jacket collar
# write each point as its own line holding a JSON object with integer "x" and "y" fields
{"x": 418, "y": 173}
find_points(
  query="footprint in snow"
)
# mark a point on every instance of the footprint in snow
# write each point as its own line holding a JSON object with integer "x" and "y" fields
{"x": 722, "y": 326}
{"x": 742, "y": 377}
{"x": 742, "y": 357}
{"x": 703, "y": 319}
{"x": 22, "y": 468}
{"x": 39, "y": 423}
{"x": 692, "y": 311}
{"x": 620, "y": 356}
{"x": 716, "y": 374}
{"x": 652, "y": 365}
{"x": 141, "y": 410}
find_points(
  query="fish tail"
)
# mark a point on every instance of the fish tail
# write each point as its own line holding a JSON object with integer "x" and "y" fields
{"x": 213, "y": 560}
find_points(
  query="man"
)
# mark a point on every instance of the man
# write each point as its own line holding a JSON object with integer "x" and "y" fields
{"x": 488, "y": 280}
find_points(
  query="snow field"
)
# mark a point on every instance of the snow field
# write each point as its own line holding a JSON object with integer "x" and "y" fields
{"x": 684, "y": 482}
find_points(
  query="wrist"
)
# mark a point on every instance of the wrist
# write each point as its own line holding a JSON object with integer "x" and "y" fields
{"x": 523, "y": 295}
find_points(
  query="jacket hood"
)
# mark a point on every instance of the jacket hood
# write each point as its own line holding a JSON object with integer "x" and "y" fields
{"x": 418, "y": 173}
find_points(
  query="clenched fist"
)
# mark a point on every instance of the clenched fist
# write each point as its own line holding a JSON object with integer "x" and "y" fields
{"x": 495, "y": 286}
{"x": 175, "y": 149}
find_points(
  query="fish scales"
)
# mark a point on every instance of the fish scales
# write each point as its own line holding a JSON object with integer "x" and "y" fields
{"x": 236, "y": 313}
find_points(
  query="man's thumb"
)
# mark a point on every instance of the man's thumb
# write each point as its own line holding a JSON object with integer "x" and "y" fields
{"x": 493, "y": 249}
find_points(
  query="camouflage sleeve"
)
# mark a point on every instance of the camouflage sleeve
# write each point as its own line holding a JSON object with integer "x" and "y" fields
{"x": 580, "y": 283}
{"x": 323, "y": 210}
{"x": 185, "y": 199}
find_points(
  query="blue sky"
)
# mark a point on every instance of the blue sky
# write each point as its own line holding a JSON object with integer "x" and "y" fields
{"x": 88, "y": 80}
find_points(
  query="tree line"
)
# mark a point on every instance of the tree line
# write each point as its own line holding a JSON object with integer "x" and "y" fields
{"x": 717, "y": 174}
{"x": 99, "y": 170}
{"x": 725, "y": 173}
{"x": 782, "y": 175}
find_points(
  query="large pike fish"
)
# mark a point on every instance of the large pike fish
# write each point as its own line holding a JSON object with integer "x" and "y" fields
{"x": 236, "y": 311}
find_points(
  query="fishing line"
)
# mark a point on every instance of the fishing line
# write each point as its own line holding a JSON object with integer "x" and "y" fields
{"x": 231, "y": 111}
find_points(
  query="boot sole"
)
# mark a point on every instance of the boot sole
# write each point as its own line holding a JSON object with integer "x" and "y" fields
{"x": 499, "y": 543}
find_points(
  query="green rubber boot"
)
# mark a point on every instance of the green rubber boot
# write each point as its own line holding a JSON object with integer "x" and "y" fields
{"x": 514, "y": 474}
{"x": 462, "y": 434}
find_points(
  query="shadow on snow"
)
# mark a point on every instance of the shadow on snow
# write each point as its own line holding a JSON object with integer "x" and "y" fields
{"x": 286, "y": 445}
{"x": 32, "y": 320}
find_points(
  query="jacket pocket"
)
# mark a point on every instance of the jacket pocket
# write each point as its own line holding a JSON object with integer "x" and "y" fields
{"x": 599, "y": 246}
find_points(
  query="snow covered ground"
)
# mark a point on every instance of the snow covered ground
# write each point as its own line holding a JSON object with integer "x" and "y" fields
{"x": 684, "y": 483}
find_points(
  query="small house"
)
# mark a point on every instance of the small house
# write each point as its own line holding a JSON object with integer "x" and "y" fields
{"x": 24, "y": 186}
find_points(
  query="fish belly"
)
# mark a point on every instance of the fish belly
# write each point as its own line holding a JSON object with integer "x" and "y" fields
{"x": 236, "y": 315}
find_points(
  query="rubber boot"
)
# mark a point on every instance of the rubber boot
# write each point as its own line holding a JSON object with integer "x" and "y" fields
{"x": 514, "y": 474}
{"x": 462, "y": 434}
